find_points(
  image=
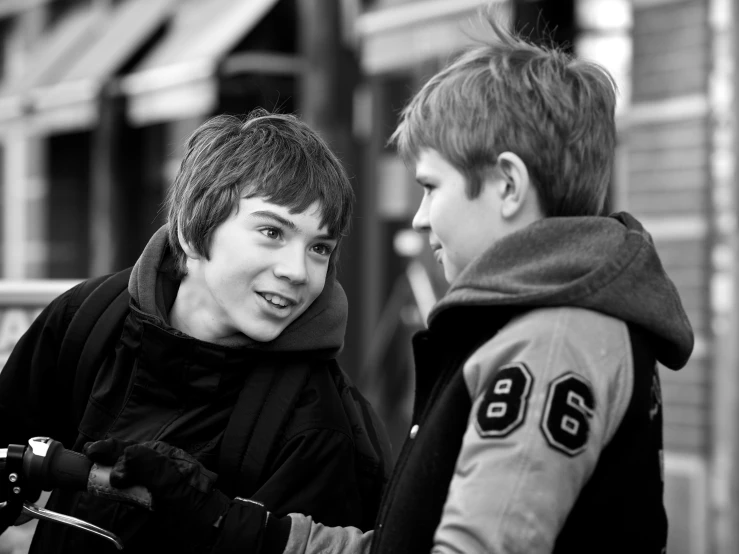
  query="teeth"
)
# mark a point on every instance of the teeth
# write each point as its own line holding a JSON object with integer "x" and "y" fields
{"x": 276, "y": 300}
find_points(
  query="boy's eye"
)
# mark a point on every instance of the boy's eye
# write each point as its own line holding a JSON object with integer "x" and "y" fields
{"x": 271, "y": 232}
{"x": 323, "y": 249}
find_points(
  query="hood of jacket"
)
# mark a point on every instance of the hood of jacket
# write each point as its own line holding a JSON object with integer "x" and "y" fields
{"x": 606, "y": 264}
{"x": 320, "y": 329}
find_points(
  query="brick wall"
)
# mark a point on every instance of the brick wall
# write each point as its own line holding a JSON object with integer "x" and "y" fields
{"x": 671, "y": 49}
{"x": 668, "y": 142}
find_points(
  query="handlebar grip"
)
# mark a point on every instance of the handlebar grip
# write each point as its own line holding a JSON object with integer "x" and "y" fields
{"x": 69, "y": 470}
{"x": 49, "y": 465}
{"x": 99, "y": 485}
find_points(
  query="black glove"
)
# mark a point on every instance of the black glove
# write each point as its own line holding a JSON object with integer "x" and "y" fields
{"x": 184, "y": 497}
{"x": 106, "y": 452}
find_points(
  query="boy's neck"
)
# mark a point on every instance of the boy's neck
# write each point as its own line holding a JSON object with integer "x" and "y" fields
{"x": 192, "y": 313}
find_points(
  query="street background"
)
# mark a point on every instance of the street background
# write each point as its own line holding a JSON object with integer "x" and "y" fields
{"x": 97, "y": 98}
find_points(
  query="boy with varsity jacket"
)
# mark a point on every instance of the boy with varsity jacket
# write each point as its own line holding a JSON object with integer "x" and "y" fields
{"x": 537, "y": 423}
{"x": 233, "y": 298}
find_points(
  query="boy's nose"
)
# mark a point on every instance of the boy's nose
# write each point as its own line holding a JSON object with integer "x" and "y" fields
{"x": 292, "y": 267}
{"x": 421, "y": 220}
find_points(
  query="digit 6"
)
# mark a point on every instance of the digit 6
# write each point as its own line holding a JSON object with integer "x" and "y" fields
{"x": 566, "y": 418}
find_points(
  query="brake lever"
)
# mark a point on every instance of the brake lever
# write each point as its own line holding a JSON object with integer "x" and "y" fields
{"x": 36, "y": 512}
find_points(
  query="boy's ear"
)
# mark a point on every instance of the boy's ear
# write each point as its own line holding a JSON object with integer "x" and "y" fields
{"x": 515, "y": 187}
{"x": 190, "y": 252}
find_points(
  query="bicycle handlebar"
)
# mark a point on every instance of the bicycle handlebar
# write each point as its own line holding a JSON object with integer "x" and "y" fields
{"x": 46, "y": 465}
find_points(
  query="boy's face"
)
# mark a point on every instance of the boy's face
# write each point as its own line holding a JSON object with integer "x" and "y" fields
{"x": 459, "y": 228}
{"x": 266, "y": 267}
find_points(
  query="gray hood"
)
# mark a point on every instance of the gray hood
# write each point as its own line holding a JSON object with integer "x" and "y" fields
{"x": 605, "y": 264}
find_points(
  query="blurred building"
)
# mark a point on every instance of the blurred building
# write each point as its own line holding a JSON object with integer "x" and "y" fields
{"x": 96, "y": 101}
{"x": 677, "y": 173}
{"x": 98, "y": 96}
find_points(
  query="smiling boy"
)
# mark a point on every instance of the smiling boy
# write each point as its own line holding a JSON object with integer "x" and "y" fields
{"x": 233, "y": 297}
{"x": 265, "y": 267}
{"x": 537, "y": 422}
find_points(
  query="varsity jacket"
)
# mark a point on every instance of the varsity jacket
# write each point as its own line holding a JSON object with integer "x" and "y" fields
{"x": 160, "y": 384}
{"x": 537, "y": 424}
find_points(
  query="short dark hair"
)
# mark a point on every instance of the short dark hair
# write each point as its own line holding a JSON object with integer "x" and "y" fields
{"x": 556, "y": 112}
{"x": 277, "y": 157}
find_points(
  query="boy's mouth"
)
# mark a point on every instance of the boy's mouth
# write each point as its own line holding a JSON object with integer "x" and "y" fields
{"x": 277, "y": 300}
{"x": 436, "y": 250}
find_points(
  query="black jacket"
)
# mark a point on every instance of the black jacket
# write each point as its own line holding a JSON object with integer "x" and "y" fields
{"x": 159, "y": 384}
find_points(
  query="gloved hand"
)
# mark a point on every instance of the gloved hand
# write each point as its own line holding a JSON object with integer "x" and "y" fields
{"x": 106, "y": 452}
{"x": 183, "y": 495}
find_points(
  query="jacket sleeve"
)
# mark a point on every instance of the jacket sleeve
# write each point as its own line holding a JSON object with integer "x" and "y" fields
{"x": 314, "y": 474}
{"x": 248, "y": 528}
{"x": 548, "y": 393}
{"x": 308, "y": 537}
{"x": 34, "y": 396}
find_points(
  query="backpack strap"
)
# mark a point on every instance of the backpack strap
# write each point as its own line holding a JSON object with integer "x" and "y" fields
{"x": 93, "y": 329}
{"x": 374, "y": 459}
{"x": 267, "y": 398}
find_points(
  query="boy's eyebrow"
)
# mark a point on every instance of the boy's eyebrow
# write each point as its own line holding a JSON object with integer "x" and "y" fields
{"x": 267, "y": 214}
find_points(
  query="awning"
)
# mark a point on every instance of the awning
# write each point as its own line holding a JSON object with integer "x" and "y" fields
{"x": 54, "y": 55}
{"x": 403, "y": 36}
{"x": 175, "y": 80}
{"x": 70, "y": 101}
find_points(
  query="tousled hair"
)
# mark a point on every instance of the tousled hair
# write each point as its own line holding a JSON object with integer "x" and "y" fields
{"x": 276, "y": 157}
{"x": 553, "y": 110}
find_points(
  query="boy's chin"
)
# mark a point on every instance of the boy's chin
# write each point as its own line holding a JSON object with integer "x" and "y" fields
{"x": 265, "y": 333}
{"x": 450, "y": 273}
